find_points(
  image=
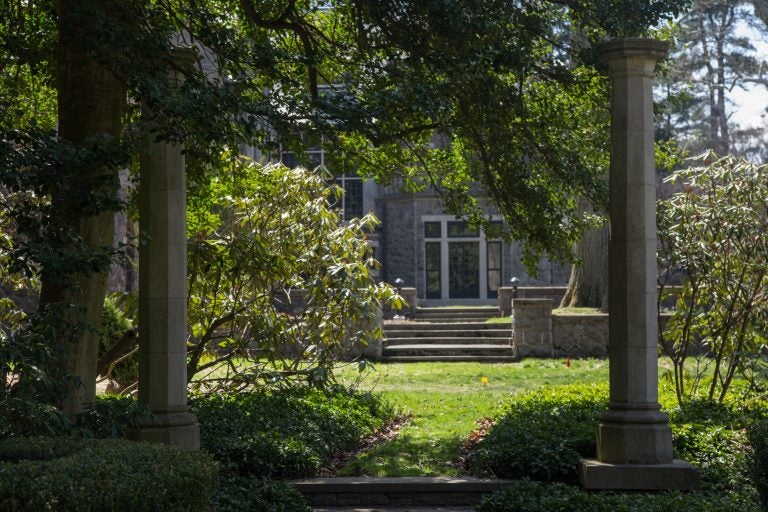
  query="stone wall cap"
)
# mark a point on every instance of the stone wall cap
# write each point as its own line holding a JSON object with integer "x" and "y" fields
{"x": 524, "y": 301}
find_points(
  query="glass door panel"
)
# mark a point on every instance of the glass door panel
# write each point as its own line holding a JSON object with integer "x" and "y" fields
{"x": 494, "y": 268}
{"x": 433, "y": 260}
{"x": 464, "y": 270}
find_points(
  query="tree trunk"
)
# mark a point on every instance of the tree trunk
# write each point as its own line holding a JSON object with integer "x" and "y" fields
{"x": 588, "y": 283}
{"x": 90, "y": 102}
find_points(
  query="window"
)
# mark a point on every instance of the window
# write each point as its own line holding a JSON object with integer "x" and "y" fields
{"x": 433, "y": 263}
{"x": 433, "y": 229}
{"x": 493, "y": 267}
{"x": 351, "y": 203}
{"x": 460, "y": 229}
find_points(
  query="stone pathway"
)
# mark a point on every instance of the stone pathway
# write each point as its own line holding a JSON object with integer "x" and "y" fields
{"x": 404, "y": 509}
{"x": 415, "y": 494}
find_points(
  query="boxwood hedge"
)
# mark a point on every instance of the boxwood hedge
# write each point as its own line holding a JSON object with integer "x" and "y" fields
{"x": 90, "y": 475}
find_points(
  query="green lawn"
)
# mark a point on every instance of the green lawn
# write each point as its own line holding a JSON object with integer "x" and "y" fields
{"x": 446, "y": 400}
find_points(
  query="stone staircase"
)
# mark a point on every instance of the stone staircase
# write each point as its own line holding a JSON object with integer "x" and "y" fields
{"x": 448, "y": 334}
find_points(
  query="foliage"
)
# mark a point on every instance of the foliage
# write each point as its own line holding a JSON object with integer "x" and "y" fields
{"x": 447, "y": 401}
{"x": 538, "y": 497}
{"x": 30, "y": 381}
{"x": 713, "y": 54}
{"x": 497, "y": 79}
{"x": 276, "y": 279}
{"x": 114, "y": 325}
{"x": 758, "y": 439}
{"x": 285, "y": 433}
{"x": 713, "y": 233}
{"x": 236, "y": 494}
{"x": 73, "y": 475}
{"x": 111, "y": 416}
{"x": 708, "y": 434}
{"x": 542, "y": 434}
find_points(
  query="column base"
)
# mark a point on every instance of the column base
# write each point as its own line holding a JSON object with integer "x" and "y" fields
{"x": 177, "y": 429}
{"x": 678, "y": 475}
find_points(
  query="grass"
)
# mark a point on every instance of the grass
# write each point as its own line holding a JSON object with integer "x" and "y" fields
{"x": 446, "y": 400}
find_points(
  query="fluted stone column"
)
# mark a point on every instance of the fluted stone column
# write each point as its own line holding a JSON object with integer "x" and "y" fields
{"x": 634, "y": 441}
{"x": 162, "y": 298}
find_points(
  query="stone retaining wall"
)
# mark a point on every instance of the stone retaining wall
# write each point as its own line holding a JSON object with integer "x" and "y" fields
{"x": 536, "y": 332}
{"x": 506, "y": 294}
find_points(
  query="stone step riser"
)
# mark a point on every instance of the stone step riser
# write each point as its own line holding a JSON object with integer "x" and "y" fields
{"x": 390, "y": 342}
{"x": 450, "y": 359}
{"x": 448, "y": 326}
{"x": 443, "y": 351}
{"x": 448, "y": 333}
{"x": 485, "y": 310}
{"x": 446, "y": 316}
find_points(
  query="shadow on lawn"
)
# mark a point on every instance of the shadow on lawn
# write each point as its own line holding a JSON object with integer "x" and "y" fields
{"x": 409, "y": 454}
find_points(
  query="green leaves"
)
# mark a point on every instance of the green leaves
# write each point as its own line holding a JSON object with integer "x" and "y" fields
{"x": 712, "y": 234}
{"x": 277, "y": 282}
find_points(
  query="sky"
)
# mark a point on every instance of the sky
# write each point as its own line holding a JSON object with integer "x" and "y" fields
{"x": 750, "y": 105}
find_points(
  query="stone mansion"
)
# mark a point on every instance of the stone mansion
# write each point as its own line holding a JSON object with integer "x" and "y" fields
{"x": 441, "y": 256}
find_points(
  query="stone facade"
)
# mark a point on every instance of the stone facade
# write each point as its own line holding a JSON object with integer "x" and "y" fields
{"x": 402, "y": 244}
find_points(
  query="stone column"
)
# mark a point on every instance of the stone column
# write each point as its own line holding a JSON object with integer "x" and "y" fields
{"x": 634, "y": 441}
{"x": 162, "y": 298}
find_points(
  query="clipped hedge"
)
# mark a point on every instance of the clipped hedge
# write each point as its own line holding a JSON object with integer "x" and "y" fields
{"x": 542, "y": 434}
{"x": 67, "y": 474}
{"x": 558, "y": 497}
{"x": 285, "y": 433}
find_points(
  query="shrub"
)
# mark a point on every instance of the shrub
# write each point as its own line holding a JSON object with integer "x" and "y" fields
{"x": 758, "y": 438}
{"x": 542, "y": 434}
{"x": 538, "y": 497}
{"x": 284, "y": 433}
{"x": 111, "y": 416}
{"x": 66, "y": 474}
{"x": 255, "y": 495}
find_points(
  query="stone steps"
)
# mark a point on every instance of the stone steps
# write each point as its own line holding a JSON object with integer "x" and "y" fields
{"x": 437, "y": 349}
{"x": 448, "y": 335}
{"x": 397, "y": 493}
{"x": 453, "y": 314}
{"x": 448, "y": 340}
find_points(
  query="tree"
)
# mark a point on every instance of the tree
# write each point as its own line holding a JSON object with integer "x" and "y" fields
{"x": 713, "y": 232}
{"x": 276, "y": 279}
{"x": 713, "y": 56}
{"x": 494, "y": 77}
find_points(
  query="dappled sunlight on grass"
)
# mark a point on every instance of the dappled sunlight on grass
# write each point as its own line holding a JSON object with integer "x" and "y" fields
{"x": 447, "y": 400}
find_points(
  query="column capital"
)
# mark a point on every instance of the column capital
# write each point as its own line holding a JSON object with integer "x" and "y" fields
{"x": 640, "y": 48}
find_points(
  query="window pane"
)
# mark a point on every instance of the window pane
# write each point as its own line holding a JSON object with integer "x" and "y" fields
{"x": 289, "y": 159}
{"x": 459, "y": 228}
{"x": 432, "y": 253}
{"x": 464, "y": 270}
{"x": 493, "y": 250}
{"x": 433, "y": 229}
{"x": 494, "y": 255}
{"x": 495, "y": 229}
{"x": 353, "y": 198}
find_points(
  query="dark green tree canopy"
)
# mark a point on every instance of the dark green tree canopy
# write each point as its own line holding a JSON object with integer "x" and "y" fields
{"x": 520, "y": 108}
